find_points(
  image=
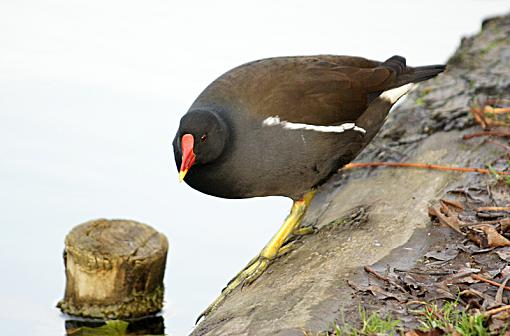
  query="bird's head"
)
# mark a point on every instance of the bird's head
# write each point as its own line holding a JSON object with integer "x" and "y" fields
{"x": 200, "y": 140}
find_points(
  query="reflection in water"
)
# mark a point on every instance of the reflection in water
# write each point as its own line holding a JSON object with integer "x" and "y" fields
{"x": 151, "y": 325}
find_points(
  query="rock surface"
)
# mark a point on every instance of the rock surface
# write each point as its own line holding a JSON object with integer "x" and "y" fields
{"x": 378, "y": 216}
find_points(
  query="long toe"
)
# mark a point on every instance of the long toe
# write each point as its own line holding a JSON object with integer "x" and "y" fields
{"x": 244, "y": 278}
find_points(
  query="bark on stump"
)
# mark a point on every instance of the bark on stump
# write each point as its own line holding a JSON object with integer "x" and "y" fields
{"x": 114, "y": 269}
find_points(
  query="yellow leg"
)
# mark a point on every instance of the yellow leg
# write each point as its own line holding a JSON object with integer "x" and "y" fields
{"x": 273, "y": 249}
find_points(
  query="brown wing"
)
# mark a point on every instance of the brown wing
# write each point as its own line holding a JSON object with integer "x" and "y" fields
{"x": 319, "y": 90}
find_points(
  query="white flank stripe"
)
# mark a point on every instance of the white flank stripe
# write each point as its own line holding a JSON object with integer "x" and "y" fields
{"x": 393, "y": 95}
{"x": 275, "y": 121}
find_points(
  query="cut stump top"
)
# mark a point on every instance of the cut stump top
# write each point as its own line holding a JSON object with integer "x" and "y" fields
{"x": 114, "y": 269}
{"x": 116, "y": 239}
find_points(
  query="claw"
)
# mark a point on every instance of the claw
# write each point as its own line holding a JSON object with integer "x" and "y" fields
{"x": 259, "y": 267}
{"x": 288, "y": 247}
{"x": 277, "y": 246}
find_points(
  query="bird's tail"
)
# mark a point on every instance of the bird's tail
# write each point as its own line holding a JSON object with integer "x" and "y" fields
{"x": 419, "y": 74}
{"x": 405, "y": 74}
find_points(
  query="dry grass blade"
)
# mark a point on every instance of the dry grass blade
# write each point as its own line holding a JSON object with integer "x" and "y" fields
{"x": 505, "y": 224}
{"x": 499, "y": 294}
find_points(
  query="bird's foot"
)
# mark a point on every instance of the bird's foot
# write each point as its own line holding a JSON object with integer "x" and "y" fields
{"x": 255, "y": 268}
{"x": 303, "y": 231}
{"x": 259, "y": 264}
{"x": 248, "y": 275}
{"x": 279, "y": 245}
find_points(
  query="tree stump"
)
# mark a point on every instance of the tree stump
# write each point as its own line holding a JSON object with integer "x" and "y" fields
{"x": 114, "y": 269}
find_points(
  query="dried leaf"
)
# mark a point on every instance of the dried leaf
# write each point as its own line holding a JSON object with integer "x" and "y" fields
{"x": 378, "y": 292}
{"x": 496, "y": 326}
{"x": 438, "y": 292}
{"x": 479, "y": 238}
{"x": 505, "y": 225}
{"x": 487, "y": 236}
{"x": 446, "y": 254}
{"x": 494, "y": 239}
{"x": 450, "y": 219}
{"x": 453, "y": 203}
{"x": 505, "y": 271}
{"x": 432, "y": 212}
{"x": 470, "y": 292}
{"x": 504, "y": 254}
{"x": 499, "y": 294}
{"x": 382, "y": 294}
{"x": 460, "y": 276}
{"x": 433, "y": 332}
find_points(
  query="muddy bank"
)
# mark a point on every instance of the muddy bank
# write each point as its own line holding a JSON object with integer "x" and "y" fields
{"x": 380, "y": 217}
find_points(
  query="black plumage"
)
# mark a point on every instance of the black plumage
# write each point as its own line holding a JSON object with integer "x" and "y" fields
{"x": 280, "y": 127}
{"x": 237, "y": 156}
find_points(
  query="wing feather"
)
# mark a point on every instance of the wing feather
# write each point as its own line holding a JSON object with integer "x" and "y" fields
{"x": 318, "y": 90}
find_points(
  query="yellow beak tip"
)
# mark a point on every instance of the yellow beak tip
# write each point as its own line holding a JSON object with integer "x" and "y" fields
{"x": 181, "y": 175}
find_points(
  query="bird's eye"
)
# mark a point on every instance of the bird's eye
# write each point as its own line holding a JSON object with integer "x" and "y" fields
{"x": 203, "y": 138}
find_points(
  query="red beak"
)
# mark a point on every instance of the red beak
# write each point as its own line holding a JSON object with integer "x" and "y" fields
{"x": 188, "y": 156}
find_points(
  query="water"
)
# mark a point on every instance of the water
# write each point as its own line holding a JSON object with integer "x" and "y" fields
{"x": 90, "y": 97}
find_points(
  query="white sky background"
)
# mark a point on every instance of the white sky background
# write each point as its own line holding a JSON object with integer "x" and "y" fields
{"x": 91, "y": 93}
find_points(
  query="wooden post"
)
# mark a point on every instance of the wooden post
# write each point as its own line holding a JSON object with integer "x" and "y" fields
{"x": 114, "y": 269}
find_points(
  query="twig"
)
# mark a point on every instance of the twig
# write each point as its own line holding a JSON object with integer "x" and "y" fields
{"x": 499, "y": 144}
{"x": 420, "y": 165}
{"x": 370, "y": 270}
{"x": 453, "y": 203}
{"x": 496, "y": 311}
{"x": 482, "y": 110}
{"x": 494, "y": 283}
{"x": 496, "y": 110}
{"x": 477, "y": 224}
{"x": 506, "y": 208}
{"x": 422, "y": 272}
{"x": 486, "y": 133}
{"x": 478, "y": 114}
{"x": 497, "y": 101}
{"x": 489, "y": 110}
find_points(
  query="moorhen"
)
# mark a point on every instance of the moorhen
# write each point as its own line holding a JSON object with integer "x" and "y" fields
{"x": 281, "y": 126}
